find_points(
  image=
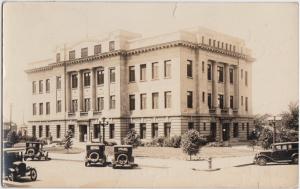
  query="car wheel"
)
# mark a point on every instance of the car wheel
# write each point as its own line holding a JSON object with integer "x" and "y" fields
{"x": 262, "y": 161}
{"x": 33, "y": 174}
{"x": 86, "y": 164}
{"x": 114, "y": 166}
{"x": 295, "y": 160}
{"x": 25, "y": 158}
{"x": 12, "y": 176}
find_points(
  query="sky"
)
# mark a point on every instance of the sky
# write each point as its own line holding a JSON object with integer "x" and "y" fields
{"x": 32, "y": 31}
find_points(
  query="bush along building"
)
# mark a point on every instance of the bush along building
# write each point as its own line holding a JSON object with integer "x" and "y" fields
{"x": 160, "y": 86}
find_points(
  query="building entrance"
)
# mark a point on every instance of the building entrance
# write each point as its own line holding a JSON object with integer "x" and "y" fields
{"x": 213, "y": 131}
{"x": 225, "y": 131}
{"x": 82, "y": 133}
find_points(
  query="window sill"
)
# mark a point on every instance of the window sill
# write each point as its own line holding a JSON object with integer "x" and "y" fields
{"x": 167, "y": 77}
{"x": 112, "y": 82}
{"x": 155, "y": 79}
{"x": 189, "y": 77}
{"x": 85, "y": 87}
{"x": 132, "y": 82}
{"x": 143, "y": 80}
{"x": 100, "y": 85}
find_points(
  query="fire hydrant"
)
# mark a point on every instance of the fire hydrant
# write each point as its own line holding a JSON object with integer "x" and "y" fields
{"x": 209, "y": 163}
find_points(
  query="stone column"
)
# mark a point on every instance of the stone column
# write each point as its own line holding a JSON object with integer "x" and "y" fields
{"x": 93, "y": 90}
{"x": 236, "y": 88}
{"x": 227, "y": 84}
{"x": 214, "y": 85}
{"x": 68, "y": 93}
{"x": 80, "y": 91}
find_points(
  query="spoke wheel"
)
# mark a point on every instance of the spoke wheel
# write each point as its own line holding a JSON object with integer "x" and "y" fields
{"x": 262, "y": 161}
{"x": 33, "y": 174}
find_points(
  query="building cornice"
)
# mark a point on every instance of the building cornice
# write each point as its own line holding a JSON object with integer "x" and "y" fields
{"x": 144, "y": 50}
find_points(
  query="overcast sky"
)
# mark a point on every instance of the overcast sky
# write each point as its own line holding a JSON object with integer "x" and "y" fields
{"x": 32, "y": 31}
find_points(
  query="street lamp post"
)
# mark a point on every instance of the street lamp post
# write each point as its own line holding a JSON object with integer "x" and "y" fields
{"x": 274, "y": 127}
{"x": 102, "y": 123}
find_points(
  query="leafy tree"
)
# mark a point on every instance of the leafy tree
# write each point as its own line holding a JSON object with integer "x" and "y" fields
{"x": 190, "y": 142}
{"x": 267, "y": 138}
{"x": 290, "y": 118}
{"x": 68, "y": 140}
{"x": 12, "y": 137}
{"x": 176, "y": 141}
{"x": 132, "y": 138}
{"x": 260, "y": 121}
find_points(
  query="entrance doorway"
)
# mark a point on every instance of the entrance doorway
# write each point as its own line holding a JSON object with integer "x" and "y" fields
{"x": 213, "y": 131}
{"x": 82, "y": 133}
{"x": 225, "y": 131}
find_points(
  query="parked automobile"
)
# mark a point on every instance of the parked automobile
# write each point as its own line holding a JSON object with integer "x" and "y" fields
{"x": 286, "y": 152}
{"x": 123, "y": 157}
{"x": 35, "y": 150}
{"x": 95, "y": 154}
{"x": 14, "y": 167}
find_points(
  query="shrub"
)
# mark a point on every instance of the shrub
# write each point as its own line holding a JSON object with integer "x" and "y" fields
{"x": 132, "y": 138}
{"x": 176, "y": 141}
{"x": 12, "y": 137}
{"x": 167, "y": 142}
{"x": 190, "y": 142}
{"x": 203, "y": 140}
{"x": 68, "y": 140}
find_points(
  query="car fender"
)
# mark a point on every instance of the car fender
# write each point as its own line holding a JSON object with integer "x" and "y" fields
{"x": 295, "y": 154}
{"x": 264, "y": 156}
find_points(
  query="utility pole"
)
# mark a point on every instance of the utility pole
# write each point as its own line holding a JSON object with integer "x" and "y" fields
{"x": 10, "y": 116}
{"x": 274, "y": 127}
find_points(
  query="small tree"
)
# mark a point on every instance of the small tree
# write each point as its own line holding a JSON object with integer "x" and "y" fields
{"x": 267, "y": 138}
{"x": 68, "y": 140}
{"x": 132, "y": 138}
{"x": 12, "y": 137}
{"x": 190, "y": 142}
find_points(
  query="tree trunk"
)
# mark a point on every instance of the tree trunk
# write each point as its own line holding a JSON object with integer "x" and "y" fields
{"x": 190, "y": 157}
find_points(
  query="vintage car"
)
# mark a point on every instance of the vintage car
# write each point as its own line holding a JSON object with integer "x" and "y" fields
{"x": 286, "y": 152}
{"x": 123, "y": 157}
{"x": 14, "y": 167}
{"x": 95, "y": 154}
{"x": 35, "y": 150}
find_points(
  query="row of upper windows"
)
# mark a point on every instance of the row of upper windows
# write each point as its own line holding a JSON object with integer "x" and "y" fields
{"x": 41, "y": 108}
{"x": 84, "y": 51}
{"x": 220, "y": 44}
{"x": 47, "y": 81}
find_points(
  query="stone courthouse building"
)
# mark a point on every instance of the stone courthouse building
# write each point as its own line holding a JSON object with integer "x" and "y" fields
{"x": 160, "y": 86}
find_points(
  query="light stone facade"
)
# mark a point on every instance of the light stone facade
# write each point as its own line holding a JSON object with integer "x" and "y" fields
{"x": 166, "y": 57}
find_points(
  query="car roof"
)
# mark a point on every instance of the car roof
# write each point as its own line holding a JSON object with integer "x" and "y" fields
{"x": 13, "y": 149}
{"x": 281, "y": 143}
{"x": 35, "y": 142}
{"x": 94, "y": 144}
{"x": 123, "y": 146}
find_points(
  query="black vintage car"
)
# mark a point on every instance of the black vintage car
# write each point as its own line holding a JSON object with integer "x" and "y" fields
{"x": 95, "y": 154}
{"x": 286, "y": 152}
{"x": 123, "y": 157}
{"x": 35, "y": 150}
{"x": 14, "y": 167}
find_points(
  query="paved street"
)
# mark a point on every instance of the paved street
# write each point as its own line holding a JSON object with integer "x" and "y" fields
{"x": 235, "y": 172}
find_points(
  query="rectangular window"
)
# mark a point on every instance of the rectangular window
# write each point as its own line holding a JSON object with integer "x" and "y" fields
{"x": 86, "y": 105}
{"x": 154, "y": 130}
{"x": 131, "y": 73}
{"x": 87, "y": 79}
{"x": 41, "y": 108}
{"x": 231, "y": 75}
{"x": 41, "y": 86}
{"x": 34, "y": 109}
{"x": 143, "y": 101}
{"x": 189, "y": 99}
{"x": 242, "y": 73}
{"x": 131, "y": 127}
{"x": 143, "y": 130}
{"x": 131, "y": 102}
{"x": 47, "y": 85}
{"x": 203, "y": 97}
{"x": 154, "y": 100}
{"x": 57, "y": 131}
{"x": 111, "y": 131}
{"x": 246, "y": 103}
{"x": 209, "y": 71}
{"x": 72, "y": 55}
{"x": 154, "y": 70}
{"x": 203, "y": 66}
{"x": 143, "y": 72}
{"x": 57, "y": 57}
{"x": 72, "y": 129}
{"x": 100, "y": 103}
{"x": 168, "y": 98}
{"x": 246, "y": 78}
{"x": 74, "y": 81}
{"x": 231, "y": 102}
{"x": 235, "y": 130}
{"x": 204, "y": 126}
{"x": 209, "y": 102}
{"x": 190, "y": 125}
{"x": 47, "y": 131}
{"x": 74, "y": 106}
{"x": 111, "y": 46}
{"x": 58, "y": 82}
{"x": 112, "y": 102}
{"x": 96, "y": 130}
{"x": 33, "y": 131}
{"x": 33, "y": 87}
{"x": 97, "y": 49}
{"x": 47, "y": 108}
{"x": 167, "y": 130}
{"x": 40, "y": 131}
{"x": 58, "y": 106}
{"x": 226, "y": 46}
{"x": 84, "y": 52}
{"x": 112, "y": 75}
{"x": 242, "y": 100}
{"x": 100, "y": 77}
{"x": 167, "y": 66}
{"x": 220, "y": 73}
{"x": 221, "y": 101}
{"x": 189, "y": 68}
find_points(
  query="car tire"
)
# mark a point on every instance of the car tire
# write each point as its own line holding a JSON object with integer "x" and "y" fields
{"x": 25, "y": 158}
{"x": 86, "y": 164}
{"x": 295, "y": 160}
{"x": 33, "y": 174}
{"x": 114, "y": 166}
{"x": 12, "y": 176}
{"x": 122, "y": 159}
{"x": 262, "y": 161}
